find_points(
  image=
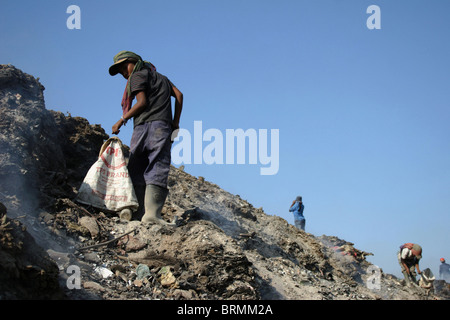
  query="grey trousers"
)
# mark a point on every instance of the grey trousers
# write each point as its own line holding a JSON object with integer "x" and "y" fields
{"x": 150, "y": 155}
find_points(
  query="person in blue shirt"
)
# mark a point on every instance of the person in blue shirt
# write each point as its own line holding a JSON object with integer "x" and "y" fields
{"x": 297, "y": 208}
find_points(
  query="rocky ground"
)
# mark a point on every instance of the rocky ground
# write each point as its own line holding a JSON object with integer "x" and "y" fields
{"x": 224, "y": 248}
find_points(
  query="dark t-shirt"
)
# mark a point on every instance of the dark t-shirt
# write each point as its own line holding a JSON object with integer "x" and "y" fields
{"x": 158, "y": 90}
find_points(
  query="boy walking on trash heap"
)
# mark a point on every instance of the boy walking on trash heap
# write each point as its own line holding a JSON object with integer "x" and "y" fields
{"x": 150, "y": 145}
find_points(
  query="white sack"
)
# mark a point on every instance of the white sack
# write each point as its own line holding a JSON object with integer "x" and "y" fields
{"x": 107, "y": 184}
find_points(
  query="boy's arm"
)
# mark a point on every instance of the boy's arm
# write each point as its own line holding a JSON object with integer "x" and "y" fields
{"x": 139, "y": 106}
{"x": 405, "y": 266}
{"x": 178, "y": 107}
{"x": 293, "y": 207}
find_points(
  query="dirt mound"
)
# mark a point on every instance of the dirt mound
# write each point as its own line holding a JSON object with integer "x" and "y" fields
{"x": 26, "y": 271}
{"x": 222, "y": 248}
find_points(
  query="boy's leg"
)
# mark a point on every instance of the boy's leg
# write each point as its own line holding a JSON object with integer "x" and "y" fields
{"x": 159, "y": 157}
{"x": 157, "y": 172}
{"x": 412, "y": 272}
{"x": 137, "y": 164}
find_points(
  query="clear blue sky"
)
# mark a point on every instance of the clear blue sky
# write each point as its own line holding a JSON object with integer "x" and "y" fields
{"x": 363, "y": 115}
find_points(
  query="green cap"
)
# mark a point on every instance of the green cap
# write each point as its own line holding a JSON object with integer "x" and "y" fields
{"x": 417, "y": 250}
{"x": 121, "y": 57}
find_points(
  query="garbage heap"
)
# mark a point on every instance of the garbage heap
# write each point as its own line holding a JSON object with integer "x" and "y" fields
{"x": 223, "y": 246}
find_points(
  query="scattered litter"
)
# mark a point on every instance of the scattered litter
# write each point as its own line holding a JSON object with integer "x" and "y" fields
{"x": 104, "y": 272}
{"x": 167, "y": 278}
{"x": 142, "y": 271}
